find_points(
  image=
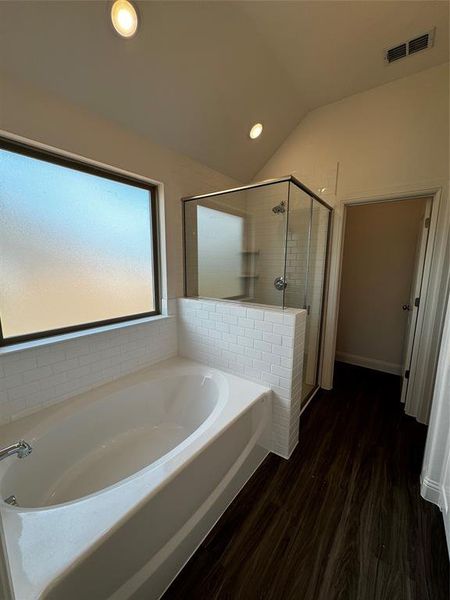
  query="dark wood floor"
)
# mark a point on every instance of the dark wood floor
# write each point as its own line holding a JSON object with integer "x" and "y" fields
{"x": 342, "y": 519}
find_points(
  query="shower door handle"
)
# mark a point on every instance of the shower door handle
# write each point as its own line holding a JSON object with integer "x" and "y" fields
{"x": 279, "y": 283}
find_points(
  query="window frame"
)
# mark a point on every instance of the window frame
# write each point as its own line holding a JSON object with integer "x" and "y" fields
{"x": 108, "y": 173}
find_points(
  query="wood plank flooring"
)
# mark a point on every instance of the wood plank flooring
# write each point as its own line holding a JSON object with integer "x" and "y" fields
{"x": 342, "y": 519}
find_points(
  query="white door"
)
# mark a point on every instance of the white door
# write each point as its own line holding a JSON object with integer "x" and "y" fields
{"x": 413, "y": 303}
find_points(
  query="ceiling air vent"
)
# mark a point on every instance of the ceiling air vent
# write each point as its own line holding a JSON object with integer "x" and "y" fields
{"x": 418, "y": 43}
{"x": 396, "y": 53}
{"x": 421, "y": 42}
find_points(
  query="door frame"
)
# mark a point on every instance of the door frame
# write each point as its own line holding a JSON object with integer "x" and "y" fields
{"x": 429, "y": 321}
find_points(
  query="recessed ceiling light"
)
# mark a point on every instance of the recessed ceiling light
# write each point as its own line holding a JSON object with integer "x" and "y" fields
{"x": 256, "y": 131}
{"x": 124, "y": 18}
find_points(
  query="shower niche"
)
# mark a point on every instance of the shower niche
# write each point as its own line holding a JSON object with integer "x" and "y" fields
{"x": 264, "y": 243}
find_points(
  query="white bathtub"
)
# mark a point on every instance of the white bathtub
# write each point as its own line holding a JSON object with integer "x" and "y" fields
{"x": 124, "y": 481}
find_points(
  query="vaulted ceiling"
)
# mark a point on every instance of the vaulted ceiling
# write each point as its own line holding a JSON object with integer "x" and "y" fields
{"x": 198, "y": 74}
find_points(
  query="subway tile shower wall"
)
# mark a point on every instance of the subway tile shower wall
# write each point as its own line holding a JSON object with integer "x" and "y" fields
{"x": 34, "y": 378}
{"x": 260, "y": 343}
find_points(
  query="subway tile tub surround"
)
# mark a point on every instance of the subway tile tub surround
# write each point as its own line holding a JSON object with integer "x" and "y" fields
{"x": 37, "y": 377}
{"x": 263, "y": 344}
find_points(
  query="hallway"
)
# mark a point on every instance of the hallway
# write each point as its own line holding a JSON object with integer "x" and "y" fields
{"x": 343, "y": 518}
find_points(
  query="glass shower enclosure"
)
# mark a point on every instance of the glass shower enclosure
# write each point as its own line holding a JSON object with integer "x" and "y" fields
{"x": 264, "y": 243}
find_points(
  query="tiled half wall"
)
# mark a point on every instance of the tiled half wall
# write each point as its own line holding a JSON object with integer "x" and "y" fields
{"x": 260, "y": 343}
{"x": 37, "y": 377}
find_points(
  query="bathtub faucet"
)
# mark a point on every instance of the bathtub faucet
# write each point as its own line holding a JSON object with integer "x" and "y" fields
{"x": 21, "y": 448}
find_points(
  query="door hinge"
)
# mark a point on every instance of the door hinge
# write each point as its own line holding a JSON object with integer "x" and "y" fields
{"x": 407, "y": 374}
{"x": 417, "y": 302}
{"x": 427, "y": 222}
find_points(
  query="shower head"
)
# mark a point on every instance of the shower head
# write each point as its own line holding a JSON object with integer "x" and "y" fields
{"x": 279, "y": 209}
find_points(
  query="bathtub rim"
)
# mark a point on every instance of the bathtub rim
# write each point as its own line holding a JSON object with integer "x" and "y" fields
{"x": 57, "y": 412}
{"x": 49, "y": 414}
{"x": 128, "y": 509}
{"x": 61, "y": 413}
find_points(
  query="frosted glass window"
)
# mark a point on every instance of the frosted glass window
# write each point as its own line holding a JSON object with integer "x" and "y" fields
{"x": 76, "y": 247}
{"x": 220, "y": 242}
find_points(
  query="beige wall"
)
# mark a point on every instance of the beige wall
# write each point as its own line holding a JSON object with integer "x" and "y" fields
{"x": 379, "y": 255}
{"x": 393, "y": 134}
{"x": 39, "y": 116}
{"x": 390, "y": 141}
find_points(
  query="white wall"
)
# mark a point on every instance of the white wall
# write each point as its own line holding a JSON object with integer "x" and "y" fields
{"x": 390, "y": 135}
{"x": 377, "y": 272}
{"x": 36, "y": 377}
{"x": 389, "y": 140}
{"x": 386, "y": 142}
{"x": 45, "y": 118}
{"x": 436, "y": 465}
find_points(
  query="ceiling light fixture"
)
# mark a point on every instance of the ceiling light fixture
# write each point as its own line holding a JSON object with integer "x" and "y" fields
{"x": 124, "y": 18}
{"x": 256, "y": 131}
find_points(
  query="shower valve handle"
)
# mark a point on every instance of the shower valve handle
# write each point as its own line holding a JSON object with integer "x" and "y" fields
{"x": 280, "y": 284}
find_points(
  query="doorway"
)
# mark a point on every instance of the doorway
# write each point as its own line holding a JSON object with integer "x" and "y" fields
{"x": 385, "y": 245}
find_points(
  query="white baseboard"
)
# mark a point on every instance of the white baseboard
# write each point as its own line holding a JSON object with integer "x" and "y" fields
{"x": 369, "y": 363}
{"x": 447, "y": 532}
{"x": 430, "y": 490}
{"x": 435, "y": 493}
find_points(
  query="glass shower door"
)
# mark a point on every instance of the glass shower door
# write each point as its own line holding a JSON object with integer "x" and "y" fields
{"x": 297, "y": 260}
{"x": 235, "y": 244}
{"x": 307, "y": 240}
{"x": 267, "y": 208}
{"x": 320, "y": 216}
{"x": 262, "y": 244}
